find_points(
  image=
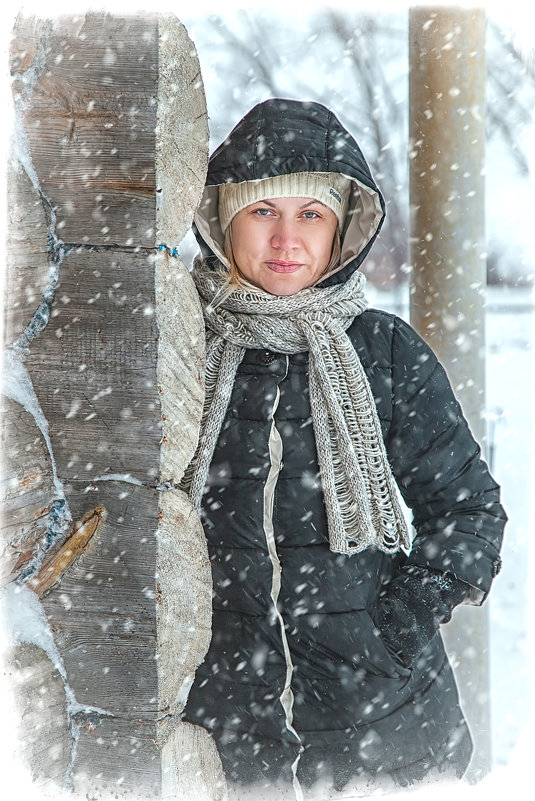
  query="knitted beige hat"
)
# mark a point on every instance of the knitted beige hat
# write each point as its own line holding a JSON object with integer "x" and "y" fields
{"x": 330, "y": 188}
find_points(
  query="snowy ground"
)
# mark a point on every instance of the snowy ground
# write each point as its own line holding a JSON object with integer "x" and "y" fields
{"x": 510, "y": 395}
{"x": 511, "y": 453}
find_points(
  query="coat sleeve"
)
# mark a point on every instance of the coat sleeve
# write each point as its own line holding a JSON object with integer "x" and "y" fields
{"x": 455, "y": 502}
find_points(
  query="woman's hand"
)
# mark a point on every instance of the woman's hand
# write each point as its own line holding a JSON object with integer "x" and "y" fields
{"x": 412, "y": 607}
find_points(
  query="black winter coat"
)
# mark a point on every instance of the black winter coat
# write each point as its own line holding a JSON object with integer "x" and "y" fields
{"x": 296, "y": 659}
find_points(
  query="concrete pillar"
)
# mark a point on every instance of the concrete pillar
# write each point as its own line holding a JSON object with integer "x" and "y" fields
{"x": 447, "y": 74}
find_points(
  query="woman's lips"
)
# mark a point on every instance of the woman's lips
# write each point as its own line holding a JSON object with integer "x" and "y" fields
{"x": 284, "y": 266}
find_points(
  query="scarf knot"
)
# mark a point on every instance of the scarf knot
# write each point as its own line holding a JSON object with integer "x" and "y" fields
{"x": 360, "y": 493}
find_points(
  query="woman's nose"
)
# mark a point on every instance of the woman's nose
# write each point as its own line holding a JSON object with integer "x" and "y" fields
{"x": 285, "y": 236}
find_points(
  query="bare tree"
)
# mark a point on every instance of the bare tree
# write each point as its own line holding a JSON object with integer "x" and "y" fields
{"x": 357, "y": 64}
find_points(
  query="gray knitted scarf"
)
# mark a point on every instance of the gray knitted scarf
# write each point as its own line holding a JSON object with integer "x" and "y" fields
{"x": 359, "y": 489}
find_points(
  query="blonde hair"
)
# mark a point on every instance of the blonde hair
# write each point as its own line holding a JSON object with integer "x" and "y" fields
{"x": 235, "y": 278}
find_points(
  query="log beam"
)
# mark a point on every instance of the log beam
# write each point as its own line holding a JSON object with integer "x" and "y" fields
{"x": 105, "y": 350}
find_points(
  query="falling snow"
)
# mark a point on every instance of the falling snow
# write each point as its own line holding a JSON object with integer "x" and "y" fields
{"x": 510, "y": 325}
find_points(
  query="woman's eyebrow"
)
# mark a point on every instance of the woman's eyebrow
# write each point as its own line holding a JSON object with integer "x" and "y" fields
{"x": 311, "y": 203}
{"x": 304, "y": 206}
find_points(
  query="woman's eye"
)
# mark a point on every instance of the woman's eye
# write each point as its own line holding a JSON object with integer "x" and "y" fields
{"x": 262, "y": 212}
{"x": 310, "y": 215}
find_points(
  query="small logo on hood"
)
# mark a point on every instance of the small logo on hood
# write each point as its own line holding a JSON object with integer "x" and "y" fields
{"x": 335, "y": 194}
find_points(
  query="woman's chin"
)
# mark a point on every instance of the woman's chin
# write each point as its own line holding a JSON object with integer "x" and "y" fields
{"x": 283, "y": 285}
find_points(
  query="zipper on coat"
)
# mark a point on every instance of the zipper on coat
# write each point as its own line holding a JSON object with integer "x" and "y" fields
{"x": 275, "y": 457}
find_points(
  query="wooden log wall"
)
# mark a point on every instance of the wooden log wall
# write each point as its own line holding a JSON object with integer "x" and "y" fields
{"x": 106, "y": 580}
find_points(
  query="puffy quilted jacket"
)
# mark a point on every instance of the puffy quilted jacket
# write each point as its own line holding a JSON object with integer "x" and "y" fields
{"x": 296, "y": 659}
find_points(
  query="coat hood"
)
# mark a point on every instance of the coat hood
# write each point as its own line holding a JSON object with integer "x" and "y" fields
{"x": 281, "y": 136}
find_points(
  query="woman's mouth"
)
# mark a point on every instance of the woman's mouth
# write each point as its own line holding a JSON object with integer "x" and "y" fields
{"x": 279, "y": 266}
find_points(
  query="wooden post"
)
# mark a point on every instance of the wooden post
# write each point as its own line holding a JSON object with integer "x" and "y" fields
{"x": 107, "y": 581}
{"x": 447, "y": 72}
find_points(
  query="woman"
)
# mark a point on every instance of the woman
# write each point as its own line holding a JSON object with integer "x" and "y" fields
{"x": 326, "y": 666}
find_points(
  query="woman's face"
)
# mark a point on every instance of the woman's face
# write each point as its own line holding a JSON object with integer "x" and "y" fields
{"x": 283, "y": 245}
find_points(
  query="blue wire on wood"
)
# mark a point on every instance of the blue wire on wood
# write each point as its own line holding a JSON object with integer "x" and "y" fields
{"x": 173, "y": 252}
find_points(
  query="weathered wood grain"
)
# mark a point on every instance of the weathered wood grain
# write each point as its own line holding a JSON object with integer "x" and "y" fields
{"x": 117, "y": 759}
{"x": 44, "y": 731}
{"x": 190, "y": 762}
{"x": 191, "y": 766}
{"x": 181, "y": 141}
{"x": 93, "y": 106}
{"x": 180, "y": 368}
{"x": 109, "y": 166}
{"x": 27, "y": 489}
{"x": 103, "y": 611}
{"x": 181, "y": 162}
{"x": 58, "y": 560}
{"x": 184, "y": 600}
{"x": 30, "y": 34}
{"x": 94, "y": 367}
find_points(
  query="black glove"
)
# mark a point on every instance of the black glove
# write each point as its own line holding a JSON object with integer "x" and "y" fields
{"x": 412, "y": 607}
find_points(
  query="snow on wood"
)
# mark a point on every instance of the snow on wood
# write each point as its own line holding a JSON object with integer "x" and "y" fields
{"x": 44, "y": 725}
{"x": 105, "y": 349}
